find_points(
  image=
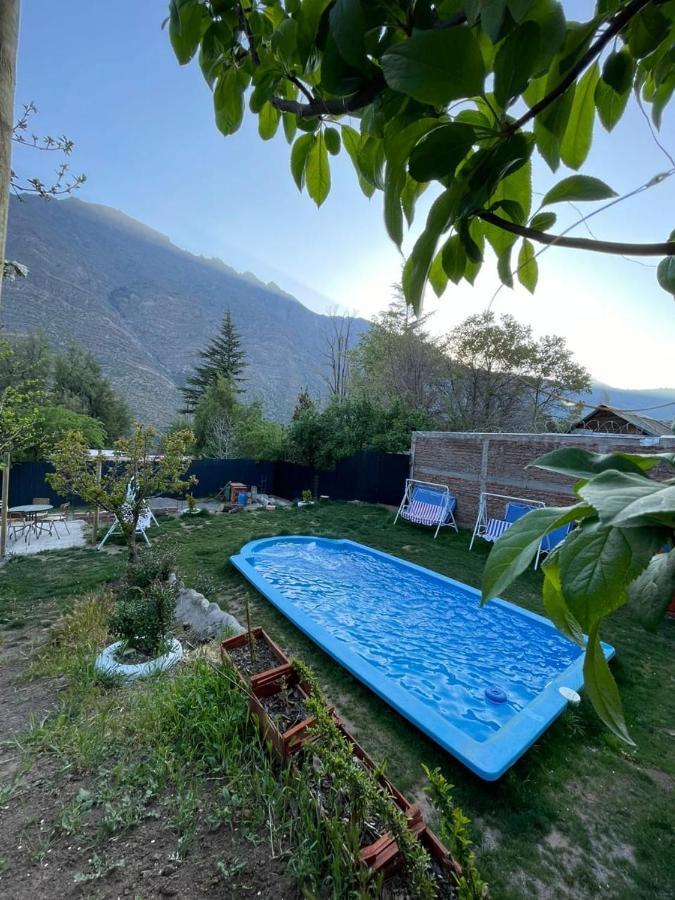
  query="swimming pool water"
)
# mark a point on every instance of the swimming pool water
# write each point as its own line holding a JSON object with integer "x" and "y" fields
{"x": 421, "y": 640}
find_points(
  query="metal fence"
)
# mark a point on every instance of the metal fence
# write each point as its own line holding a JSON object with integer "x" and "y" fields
{"x": 369, "y": 476}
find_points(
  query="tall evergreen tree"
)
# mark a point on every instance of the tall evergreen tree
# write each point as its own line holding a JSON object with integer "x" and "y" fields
{"x": 223, "y": 357}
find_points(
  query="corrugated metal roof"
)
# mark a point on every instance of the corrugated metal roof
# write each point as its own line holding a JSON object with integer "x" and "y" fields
{"x": 645, "y": 424}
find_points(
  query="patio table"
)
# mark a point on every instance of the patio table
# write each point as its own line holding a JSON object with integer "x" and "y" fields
{"x": 32, "y": 512}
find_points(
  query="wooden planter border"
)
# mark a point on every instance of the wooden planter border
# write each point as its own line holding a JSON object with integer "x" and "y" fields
{"x": 284, "y": 668}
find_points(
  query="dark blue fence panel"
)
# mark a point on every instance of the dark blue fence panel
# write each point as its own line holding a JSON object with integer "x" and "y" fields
{"x": 369, "y": 476}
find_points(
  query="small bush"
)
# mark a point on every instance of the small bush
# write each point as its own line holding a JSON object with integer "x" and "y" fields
{"x": 143, "y": 616}
{"x": 154, "y": 564}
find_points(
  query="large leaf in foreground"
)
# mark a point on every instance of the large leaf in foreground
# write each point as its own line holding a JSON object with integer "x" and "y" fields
{"x": 651, "y": 593}
{"x": 580, "y": 463}
{"x": 516, "y": 548}
{"x": 602, "y": 690}
{"x": 556, "y": 605}
{"x": 436, "y": 66}
{"x": 615, "y": 496}
{"x": 596, "y": 565}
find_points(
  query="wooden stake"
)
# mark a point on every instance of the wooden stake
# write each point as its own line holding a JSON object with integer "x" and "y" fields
{"x": 5, "y": 504}
{"x": 94, "y": 533}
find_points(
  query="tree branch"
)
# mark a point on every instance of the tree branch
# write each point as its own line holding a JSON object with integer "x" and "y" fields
{"x": 336, "y": 106}
{"x": 614, "y": 27}
{"x": 667, "y": 248}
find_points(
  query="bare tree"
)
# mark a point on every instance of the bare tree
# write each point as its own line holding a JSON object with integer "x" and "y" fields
{"x": 9, "y": 39}
{"x": 337, "y": 353}
{"x": 222, "y": 437}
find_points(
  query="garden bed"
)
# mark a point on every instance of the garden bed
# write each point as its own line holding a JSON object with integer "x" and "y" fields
{"x": 269, "y": 661}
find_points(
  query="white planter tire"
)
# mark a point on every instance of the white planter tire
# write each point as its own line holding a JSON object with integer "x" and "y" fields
{"x": 106, "y": 663}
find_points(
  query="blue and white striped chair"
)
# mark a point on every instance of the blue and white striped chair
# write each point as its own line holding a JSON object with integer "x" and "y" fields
{"x": 426, "y": 503}
{"x": 490, "y": 528}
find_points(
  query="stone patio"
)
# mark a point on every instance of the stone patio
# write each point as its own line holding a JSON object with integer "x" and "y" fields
{"x": 76, "y": 538}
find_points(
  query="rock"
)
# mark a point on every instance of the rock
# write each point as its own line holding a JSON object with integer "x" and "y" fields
{"x": 204, "y": 619}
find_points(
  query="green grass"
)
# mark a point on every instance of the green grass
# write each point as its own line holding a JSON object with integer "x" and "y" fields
{"x": 578, "y": 813}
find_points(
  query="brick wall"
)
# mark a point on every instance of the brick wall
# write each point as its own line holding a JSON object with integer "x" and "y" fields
{"x": 473, "y": 462}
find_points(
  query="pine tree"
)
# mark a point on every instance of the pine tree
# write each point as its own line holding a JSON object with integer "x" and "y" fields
{"x": 303, "y": 404}
{"x": 223, "y": 357}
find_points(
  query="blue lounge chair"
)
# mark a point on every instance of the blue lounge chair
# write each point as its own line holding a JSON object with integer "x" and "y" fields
{"x": 551, "y": 540}
{"x": 426, "y": 503}
{"x": 489, "y": 528}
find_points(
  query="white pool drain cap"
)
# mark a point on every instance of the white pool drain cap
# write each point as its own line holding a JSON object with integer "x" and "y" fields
{"x": 569, "y": 695}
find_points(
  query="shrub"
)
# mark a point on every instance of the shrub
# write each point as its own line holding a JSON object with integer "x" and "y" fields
{"x": 143, "y": 617}
{"x": 155, "y": 564}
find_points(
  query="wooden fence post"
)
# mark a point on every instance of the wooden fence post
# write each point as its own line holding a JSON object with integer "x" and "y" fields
{"x": 94, "y": 529}
{"x": 5, "y": 503}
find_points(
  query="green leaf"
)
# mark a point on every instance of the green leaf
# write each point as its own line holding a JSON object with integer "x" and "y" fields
{"x": 543, "y": 221}
{"x": 657, "y": 508}
{"x": 652, "y": 592}
{"x": 187, "y": 25}
{"x": 629, "y": 500}
{"x": 454, "y": 259}
{"x": 332, "y": 138}
{"x": 440, "y": 151}
{"x": 515, "y": 62}
{"x": 436, "y": 66}
{"x": 580, "y": 463}
{"x": 290, "y": 126}
{"x": 228, "y": 100}
{"x": 416, "y": 269}
{"x": 619, "y": 70}
{"x": 411, "y": 191}
{"x": 353, "y": 142}
{"x": 609, "y": 104}
{"x": 595, "y": 562}
{"x": 397, "y": 146}
{"x": 317, "y": 171}
{"x": 646, "y": 31}
{"x": 556, "y": 605}
{"x": 578, "y": 136}
{"x": 299, "y": 158}
{"x": 528, "y": 270}
{"x": 268, "y": 121}
{"x": 665, "y": 273}
{"x": 579, "y": 188}
{"x": 308, "y": 17}
{"x": 437, "y": 277}
{"x": 550, "y": 125}
{"x": 348, "y": 26}
{"x": 504, "y": 268}
{"x": 602, "y": 690}
{"x": 513, "y": 552}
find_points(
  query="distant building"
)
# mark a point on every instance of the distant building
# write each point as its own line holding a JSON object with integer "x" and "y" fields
{"x": 607, "y": 420}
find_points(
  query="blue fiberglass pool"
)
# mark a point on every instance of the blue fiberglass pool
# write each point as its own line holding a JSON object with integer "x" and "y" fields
{"x": 423, "y": 643}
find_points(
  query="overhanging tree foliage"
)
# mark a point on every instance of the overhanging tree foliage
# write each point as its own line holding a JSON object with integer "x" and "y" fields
{"x": 459, "y": 93}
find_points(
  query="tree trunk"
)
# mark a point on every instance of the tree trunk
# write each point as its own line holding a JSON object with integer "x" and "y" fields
{"x": 132, "y": 549}
{"x": 9, "y": 38}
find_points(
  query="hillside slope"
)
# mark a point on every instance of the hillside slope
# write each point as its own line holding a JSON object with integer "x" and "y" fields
{"x": 145, "y": 307}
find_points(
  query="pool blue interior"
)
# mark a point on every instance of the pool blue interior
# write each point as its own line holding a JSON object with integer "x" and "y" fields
{"x": 480, "y": 681}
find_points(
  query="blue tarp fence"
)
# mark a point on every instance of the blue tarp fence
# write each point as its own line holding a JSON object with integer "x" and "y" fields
{"x": 370, "y": 476}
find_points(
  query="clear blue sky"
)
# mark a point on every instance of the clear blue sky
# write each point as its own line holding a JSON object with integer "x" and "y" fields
{"x": 105, "y": 75}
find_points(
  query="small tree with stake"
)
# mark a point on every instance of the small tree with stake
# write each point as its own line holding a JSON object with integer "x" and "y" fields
{"x": 139, "y": 469}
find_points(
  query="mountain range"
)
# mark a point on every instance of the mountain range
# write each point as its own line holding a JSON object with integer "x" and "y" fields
{"x": 146, "y": 307}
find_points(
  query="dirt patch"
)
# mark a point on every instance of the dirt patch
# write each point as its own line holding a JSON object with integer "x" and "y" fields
{"x": 44, "y": 853}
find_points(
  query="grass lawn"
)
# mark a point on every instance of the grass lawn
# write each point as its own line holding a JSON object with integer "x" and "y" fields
{"x": 578, "y": 816}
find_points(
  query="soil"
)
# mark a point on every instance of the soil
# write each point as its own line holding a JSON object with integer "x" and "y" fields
{"x": 286, "y": 708}
{"x": 264, "y": 658}
{"x": 37, "y": 859}
{"x": 398, "y": 886}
